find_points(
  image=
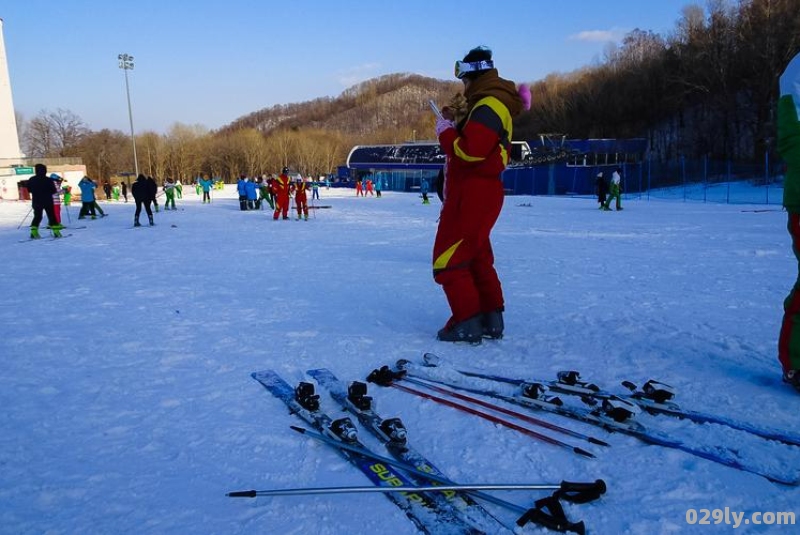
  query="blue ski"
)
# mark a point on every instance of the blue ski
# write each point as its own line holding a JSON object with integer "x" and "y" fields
{"x": 570, "y": 383}
{"x": 428, "y": 516}
{"x": 609, "y": 418}
{"x": 392, "y": 433}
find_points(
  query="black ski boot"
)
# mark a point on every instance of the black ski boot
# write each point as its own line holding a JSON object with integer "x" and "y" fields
{"x": 151, "y": 220}
{"x": 792, "y": 377}
{"x": 492, "y": 323}
{"x": 469, "y": 330}
{"x": 136, "y": 223}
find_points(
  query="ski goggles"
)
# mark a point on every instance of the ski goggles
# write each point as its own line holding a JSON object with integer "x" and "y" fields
{"x": 464, "y": 67}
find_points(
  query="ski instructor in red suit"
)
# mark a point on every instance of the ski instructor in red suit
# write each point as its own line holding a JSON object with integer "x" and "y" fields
{"x": 280, "y": 187}
{"x": 477, "y": 143}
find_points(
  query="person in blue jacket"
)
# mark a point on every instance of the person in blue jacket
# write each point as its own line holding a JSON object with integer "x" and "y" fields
{"x": 252, "y": 193}
{"x": 241, "y": 188}
{"x": 424, "y": 188}
{"x": 206, "y": 183}
{"x": 87, "y": 198}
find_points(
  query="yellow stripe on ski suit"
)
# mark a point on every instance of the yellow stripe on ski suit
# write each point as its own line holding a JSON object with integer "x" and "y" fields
{"x": 441, "y": 261}
{"x": 505, "y": 118}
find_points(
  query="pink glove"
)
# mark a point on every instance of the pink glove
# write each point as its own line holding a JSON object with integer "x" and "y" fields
{"x": 443, "y": 124}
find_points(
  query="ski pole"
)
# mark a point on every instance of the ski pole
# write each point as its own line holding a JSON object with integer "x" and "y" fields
{"x": 554, "y": 519}
{"x": 515, "y": 414}
{"x": 385, "y": 377}
{"x": 575, "y": 492}
{"x": 421, "y": 488}
{"x": 24, "y": 218}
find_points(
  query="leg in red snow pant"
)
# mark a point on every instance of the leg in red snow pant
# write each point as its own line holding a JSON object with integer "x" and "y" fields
{"x": 463, "y": 262}
{"x": 281, "y": 207}
{"x": 789, "y": 340}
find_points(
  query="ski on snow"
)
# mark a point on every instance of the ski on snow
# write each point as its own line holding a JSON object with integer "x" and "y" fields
{"x": 392, "y": 433}
{"x": 654, "y": 397}
{"x": 428, "y": 515}
{"x": 615, "y": 415}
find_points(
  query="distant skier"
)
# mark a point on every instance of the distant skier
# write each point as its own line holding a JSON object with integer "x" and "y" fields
{"x": 169, "y": 193}
{"x": 241, "y": 189}
{"x": 301, "y": 199}
{"x": 42, "y": 188}
{"x": 280, "y": 187}
{"x": 143, "y": 197}
{"x": 424, "y": 187}
{"x": 614, "y": 190}
{"x": 87, "y": 187}
{"x": 789, "y": 149}
{"x": 251, "y": 193}
{"x": 205, "y": 184}
{"x": 601, "y": 189}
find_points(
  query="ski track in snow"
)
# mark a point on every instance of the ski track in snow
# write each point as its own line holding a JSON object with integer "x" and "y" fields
{"x": 127, "y": 353}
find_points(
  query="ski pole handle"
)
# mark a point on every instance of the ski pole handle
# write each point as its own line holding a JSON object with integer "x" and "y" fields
{"x": 575, "y": 492}
{"x": 243, "y": 494}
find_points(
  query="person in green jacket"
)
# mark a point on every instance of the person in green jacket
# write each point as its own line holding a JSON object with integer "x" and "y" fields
{"x": 169, "y": 193}
{"x": 614, "y": 190}
{"x": 789, "y": 149}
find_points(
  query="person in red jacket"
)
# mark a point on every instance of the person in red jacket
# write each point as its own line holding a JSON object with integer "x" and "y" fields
{"x": 301, "y": 199}
{"x": 280, "y": 188}
{"x": 477, "y": 148}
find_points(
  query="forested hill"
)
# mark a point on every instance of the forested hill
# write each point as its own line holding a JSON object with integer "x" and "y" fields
{"x": 707, "y": 88}
{"x": 378, "y": 105}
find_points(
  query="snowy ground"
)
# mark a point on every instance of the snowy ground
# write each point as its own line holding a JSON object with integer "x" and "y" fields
{"x": 128, "y": 407}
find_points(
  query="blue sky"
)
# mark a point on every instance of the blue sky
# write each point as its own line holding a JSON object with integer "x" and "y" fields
{"x": 210, "y": 62}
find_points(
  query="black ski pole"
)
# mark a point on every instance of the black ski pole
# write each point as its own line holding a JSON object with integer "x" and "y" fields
{"x": 24, "y": 218}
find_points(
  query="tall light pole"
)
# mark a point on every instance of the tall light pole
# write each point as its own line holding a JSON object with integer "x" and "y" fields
{"x": 126, "y": 64}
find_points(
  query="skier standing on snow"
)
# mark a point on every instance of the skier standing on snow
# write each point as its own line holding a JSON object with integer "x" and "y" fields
{"x": 169, "y": 193}
{"x": 601, "y": 188}
{"x": 301, "y": 199}
{"x": 280, "y": 188}
{"x": 42, "y": 188}
{"x": 614, "y": 190}
{"x": 142, "y": 196}
{"x": 87, "y": 198}
{"x": 424, "y": 188}
{"x": 789, "y": 149}
{"x": 477, "y": 150}
{"x": 57, "y": 197}
{"x": 251, "y": 193}
{"x": 206, "y": 183}
{"x": 241, "y": 189}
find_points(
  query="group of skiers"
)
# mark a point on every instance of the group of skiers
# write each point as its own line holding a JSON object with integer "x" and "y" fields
{"x": 46, "y": 192}
{"x": 364, "y": 188}
{"x": 277, "y": 192}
